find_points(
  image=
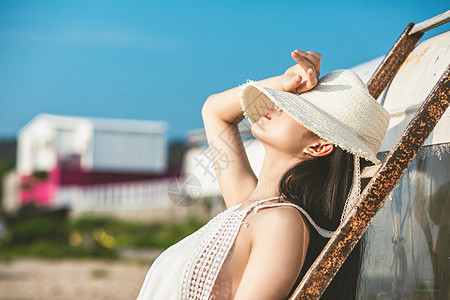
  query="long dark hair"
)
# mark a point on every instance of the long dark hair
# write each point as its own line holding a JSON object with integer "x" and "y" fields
{"x": 320, "y": 186}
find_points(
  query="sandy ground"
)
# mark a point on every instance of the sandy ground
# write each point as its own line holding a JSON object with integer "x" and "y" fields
{"x": 71, "y": 279}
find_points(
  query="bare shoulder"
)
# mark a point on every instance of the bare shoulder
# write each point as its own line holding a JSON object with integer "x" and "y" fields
{"x": 283, "y": 221}
{"x": 279, "y": 242}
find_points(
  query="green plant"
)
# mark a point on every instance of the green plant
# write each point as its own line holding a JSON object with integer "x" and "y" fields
{"x": 40, "y": 174}
{"x": 52, "y": 236}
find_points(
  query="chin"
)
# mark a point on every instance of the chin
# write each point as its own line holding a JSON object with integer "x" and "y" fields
{"x": 257, "y": 130}
{"x": 261, "y": 134}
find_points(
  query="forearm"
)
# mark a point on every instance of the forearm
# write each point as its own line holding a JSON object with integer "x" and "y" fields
{"x": 226, "y": 106}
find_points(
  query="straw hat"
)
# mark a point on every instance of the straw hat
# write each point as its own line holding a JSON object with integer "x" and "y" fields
{"x": 339, "y": 109}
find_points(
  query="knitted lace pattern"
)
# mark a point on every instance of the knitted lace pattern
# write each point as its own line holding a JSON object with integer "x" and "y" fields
{"x": 204, "y": 265}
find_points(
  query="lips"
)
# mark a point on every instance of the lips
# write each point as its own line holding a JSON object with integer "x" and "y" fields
{"x": 267, "y": 115}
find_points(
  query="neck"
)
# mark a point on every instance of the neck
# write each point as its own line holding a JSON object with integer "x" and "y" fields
{"x": 274, "y": 166}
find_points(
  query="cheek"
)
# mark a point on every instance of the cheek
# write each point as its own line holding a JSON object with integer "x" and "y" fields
{"x": 289, "y": 134}
{"x": 284, "y": 134}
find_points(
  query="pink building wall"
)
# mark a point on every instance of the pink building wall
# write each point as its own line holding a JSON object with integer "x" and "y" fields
{"x": 40, "y": 191}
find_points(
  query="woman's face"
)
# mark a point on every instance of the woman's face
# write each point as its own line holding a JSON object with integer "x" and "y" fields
{"x": 282, "y": 132}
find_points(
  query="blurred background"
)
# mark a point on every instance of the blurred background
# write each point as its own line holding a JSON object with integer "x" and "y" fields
{"x": 103, "y": 158}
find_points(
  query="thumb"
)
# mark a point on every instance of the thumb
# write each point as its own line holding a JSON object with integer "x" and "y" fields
{"x": 296, "y": 81}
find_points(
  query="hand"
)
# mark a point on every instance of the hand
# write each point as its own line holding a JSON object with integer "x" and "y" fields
{"x": 303, "y": 76}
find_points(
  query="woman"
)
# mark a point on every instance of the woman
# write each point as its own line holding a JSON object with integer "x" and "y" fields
{"x": 313, "y": 142}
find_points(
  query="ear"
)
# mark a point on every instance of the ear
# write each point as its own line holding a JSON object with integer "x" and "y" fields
{"x": 319, "y": 149}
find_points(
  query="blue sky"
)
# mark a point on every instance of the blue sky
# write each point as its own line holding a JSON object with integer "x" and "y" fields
{"x": 159, "y": 60}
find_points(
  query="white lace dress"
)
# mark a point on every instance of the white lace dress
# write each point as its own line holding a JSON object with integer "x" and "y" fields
{"x": 189, "y": 268}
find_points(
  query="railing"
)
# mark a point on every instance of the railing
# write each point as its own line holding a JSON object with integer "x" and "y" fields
{"x": 123, "y": 196}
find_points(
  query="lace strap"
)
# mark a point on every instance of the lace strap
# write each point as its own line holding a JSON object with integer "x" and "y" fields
{"x": 353, "y": 195}
{"x": 256, "y": 203}
{"x": 323, "y": 232}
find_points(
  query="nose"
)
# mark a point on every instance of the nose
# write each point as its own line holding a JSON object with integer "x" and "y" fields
{"x": 277, "y": 108}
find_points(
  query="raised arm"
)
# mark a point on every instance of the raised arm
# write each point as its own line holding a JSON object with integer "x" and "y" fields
{"x": 221, "y": 115}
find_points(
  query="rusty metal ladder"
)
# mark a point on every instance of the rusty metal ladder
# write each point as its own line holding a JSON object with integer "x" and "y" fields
{"x": 388, "y": 174}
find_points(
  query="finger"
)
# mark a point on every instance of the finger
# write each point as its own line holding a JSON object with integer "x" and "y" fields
{"x": 296, "y": 81}
{"x": 318, "y": 56}
{"x": 312, "y": 78}
{"x": 312, "y": 57}
{"x": 304, "y": 63}
{"x": 308, "y": 84}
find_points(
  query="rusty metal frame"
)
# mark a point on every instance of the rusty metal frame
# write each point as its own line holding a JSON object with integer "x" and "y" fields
{"x": 392, "y": 61}
{"x": 374, "y": 195}
{"x": 404, "y": 45}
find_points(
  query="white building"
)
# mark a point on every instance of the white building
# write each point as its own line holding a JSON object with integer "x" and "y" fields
{"x": 99, "y": 144}
{"x": 93, "y": 164}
